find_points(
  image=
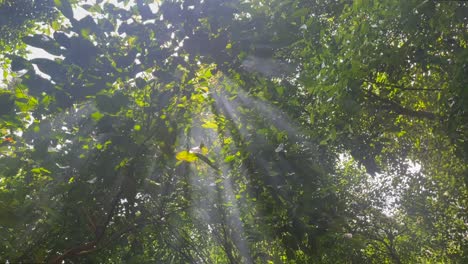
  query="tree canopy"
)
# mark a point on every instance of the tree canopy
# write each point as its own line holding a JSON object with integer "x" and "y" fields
{"x": 228, "y": 131}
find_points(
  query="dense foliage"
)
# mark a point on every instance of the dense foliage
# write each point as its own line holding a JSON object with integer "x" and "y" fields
{"x": 227, "y": 131}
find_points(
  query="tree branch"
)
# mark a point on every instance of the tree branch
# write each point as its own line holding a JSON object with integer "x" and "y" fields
{"x": 91, "y": 246}
{"x": 402, "y": 87}
{"x": 398, "y": 109}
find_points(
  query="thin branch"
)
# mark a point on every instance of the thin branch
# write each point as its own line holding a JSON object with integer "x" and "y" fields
{"x": 403, "y": 87}
{"x": 91, "y": 246}
{"x": 399, "y": 109}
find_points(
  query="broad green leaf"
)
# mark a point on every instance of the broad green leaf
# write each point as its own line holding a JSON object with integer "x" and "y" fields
{"x": 96, "y": 116}
{"x": 40, "y": 171}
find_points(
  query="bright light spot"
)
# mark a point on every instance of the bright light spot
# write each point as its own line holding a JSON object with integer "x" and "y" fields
{"x": 414, "y": 167}
{"x": 35, "y": 53}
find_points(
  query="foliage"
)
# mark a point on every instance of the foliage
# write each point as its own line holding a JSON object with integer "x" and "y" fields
{"x": 17, "y": 18}
{"x": 235, "y": 132}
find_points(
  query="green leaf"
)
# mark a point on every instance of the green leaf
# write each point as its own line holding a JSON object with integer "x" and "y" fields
{"x": 96, "y": 116}
{"x": 40, "y": 171}
{"x": 230, "y": 158}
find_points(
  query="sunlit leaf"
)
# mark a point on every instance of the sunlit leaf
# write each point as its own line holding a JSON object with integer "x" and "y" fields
{"x": 210, "y": 124}
{"x": 229, "y": 158}
{"x": 186, "y": 156}
{"x": 204, "y": 150}
{"x": 40, "y": 171}
{"x": 96, "y": 116}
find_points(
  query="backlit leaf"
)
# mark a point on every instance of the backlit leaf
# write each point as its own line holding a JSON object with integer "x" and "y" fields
{"x": 186, "y": 156}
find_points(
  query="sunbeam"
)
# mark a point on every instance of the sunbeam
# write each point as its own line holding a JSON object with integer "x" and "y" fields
{"x": 233, "y": 131}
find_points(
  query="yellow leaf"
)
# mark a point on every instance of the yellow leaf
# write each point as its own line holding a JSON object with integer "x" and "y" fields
{"x": 209, "y": 124}
{"x": 204, "y": 150}
{"x": 186, "y": 156}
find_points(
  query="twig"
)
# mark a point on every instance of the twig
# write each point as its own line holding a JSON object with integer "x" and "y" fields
{"x": 402, "y": 87}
